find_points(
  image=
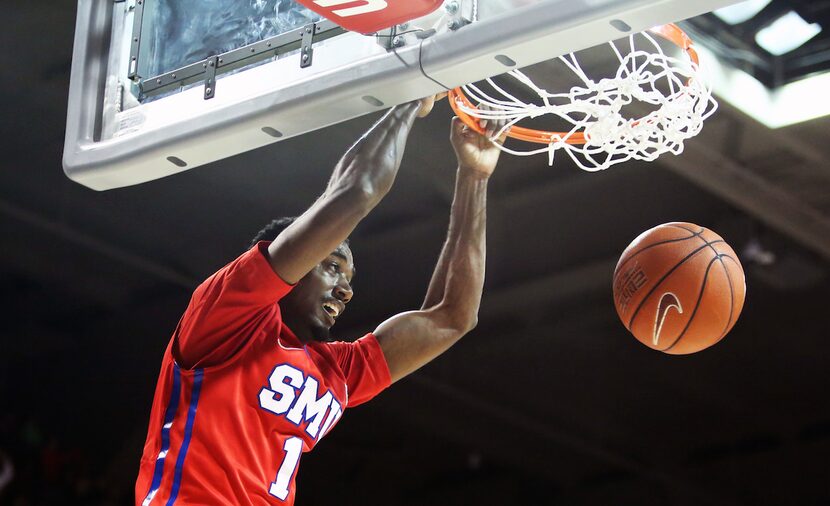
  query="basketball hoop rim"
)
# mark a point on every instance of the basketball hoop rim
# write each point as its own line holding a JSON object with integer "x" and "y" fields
{"x": 670, "y": 32}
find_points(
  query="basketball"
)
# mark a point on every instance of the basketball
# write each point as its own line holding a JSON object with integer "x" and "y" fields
{"x": 679, "y": 288}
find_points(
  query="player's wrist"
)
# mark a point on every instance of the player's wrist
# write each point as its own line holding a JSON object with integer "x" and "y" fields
{"x": 473, "y": 171}
{"x": 407, "y": 112}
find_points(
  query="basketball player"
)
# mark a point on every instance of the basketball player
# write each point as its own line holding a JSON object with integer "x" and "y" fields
{"x": 252, "y": 377}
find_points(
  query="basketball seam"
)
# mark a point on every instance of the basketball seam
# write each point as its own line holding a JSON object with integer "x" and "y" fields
{"x": 731, "y": 296}
{"x": 667, "y": 241}
{"x": 700, "y": 234}
{"x": 697, "y": 306}
{"x": 719, "y": 256}
{"x": 657, "y": 284}
{"x": 675, "y": 225}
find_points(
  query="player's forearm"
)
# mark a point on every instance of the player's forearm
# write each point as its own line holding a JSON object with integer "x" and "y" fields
{"x": 369, "y": 167}
{"x": 463, "y": 270}
{"x": 435, "y": 290}
{"x": 361, "y": 179}
{"x": 410, "y": 340}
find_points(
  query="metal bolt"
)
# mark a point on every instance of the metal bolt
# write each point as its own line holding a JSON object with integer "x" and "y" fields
{"x": 305, "y": 57}
{"x": 208, "y": 91}
{"x": 308, "y": 30}
{"x": 269, "y": 44}
{"x": 211, "y": 63}
{"x": 220, "y": 60}
{"x": 403, "y": 26}
{"x": 397, "y": 41}
{"x": 252, "y": 50}
{"x": 305, "y": 49}
{"x": 158, "y": 81}
{"x": 454, "y": 24}
{"x": 174, "y": 76}
{"x": 452, "y": 7}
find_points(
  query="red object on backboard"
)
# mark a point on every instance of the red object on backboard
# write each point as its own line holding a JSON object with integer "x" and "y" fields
{"x": 369, "y": 16}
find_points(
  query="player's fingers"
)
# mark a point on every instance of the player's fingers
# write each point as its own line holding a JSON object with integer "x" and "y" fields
{"x": 425, "y": 106}
{"x": 489, "y": 126}
{"x": 457, "y": 127}
{"x": 497, "y": 127}
{"x": 502, "y": 137}
{"x": 427, "y": 103}
{"x": 461, "y": 126}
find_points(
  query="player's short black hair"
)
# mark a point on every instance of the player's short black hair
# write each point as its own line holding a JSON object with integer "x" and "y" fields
{"x": 270, "y": 231}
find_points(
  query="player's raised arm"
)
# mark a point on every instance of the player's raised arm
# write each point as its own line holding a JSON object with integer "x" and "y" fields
{"x": 450, "y": 310}
{"x": 362, "y": 177}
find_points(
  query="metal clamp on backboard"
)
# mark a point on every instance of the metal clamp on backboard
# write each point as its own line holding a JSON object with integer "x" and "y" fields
{"x": 138, "y": 17}
{"x": 299, "y": 38}
{"x": 460, "y": 13}
{"x": 389, "y": 38}
{"x": 210, "y": 77}
{"x": 306, "y": 46}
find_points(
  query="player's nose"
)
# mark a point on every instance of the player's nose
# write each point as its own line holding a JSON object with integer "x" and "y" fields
{"x": 343, "y": 291}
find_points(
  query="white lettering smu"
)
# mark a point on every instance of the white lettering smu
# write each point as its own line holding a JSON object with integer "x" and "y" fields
{"x": 309, "y": 408}
{"x": 367, "y": 7}
{"x": 282, "y": 398}
{"x": 286, "y": 391}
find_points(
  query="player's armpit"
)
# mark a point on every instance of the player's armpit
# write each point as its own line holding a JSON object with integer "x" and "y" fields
{"x": 411, "y": 340}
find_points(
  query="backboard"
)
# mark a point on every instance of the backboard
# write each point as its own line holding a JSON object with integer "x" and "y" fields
{"x": 163, "y": 86}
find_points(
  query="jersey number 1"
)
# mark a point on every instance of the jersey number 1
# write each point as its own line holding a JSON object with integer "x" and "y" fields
{"x": 293, "y": 448}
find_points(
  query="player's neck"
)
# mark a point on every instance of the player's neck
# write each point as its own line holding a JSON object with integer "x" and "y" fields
{"x": 296, "y": 330}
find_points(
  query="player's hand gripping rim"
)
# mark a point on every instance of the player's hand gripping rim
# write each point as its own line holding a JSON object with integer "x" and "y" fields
{"x": 477, "y": 153}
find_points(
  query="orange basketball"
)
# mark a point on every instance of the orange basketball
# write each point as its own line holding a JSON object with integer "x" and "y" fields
{"x": 679, "y": 288}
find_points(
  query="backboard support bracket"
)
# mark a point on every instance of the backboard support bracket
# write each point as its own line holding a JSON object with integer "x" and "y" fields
{"x": 135, "y": 42}
{"x": 210, "y": 77}
{"x": 243, "y": 56}
{"x": 389, "y": 39}
{"x": 306, "y": 46}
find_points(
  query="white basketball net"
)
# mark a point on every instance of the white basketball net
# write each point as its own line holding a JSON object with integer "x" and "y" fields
{"x": 595, "y": 108}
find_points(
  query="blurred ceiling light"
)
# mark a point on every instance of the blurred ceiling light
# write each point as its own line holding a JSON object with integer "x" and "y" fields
{"x": 740, "y": 12}
{"x": 786, "y": 105}
{"x": 786, "y": 33}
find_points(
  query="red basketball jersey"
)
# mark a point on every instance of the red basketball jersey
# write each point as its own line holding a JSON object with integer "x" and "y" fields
{"x": 239, "y": 398}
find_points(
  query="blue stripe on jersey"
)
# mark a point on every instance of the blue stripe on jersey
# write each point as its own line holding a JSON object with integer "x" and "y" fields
{"x": 188, "y": 431}
{"x": 169, "y": 414}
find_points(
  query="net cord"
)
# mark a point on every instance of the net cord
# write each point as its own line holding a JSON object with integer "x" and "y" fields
{"x": 599, "y": 135}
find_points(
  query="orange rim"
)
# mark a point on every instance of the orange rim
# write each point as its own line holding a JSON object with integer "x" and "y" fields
{"x": 670, "y": 32}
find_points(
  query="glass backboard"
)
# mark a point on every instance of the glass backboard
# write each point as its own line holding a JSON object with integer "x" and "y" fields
{"x": 162, "y": 86}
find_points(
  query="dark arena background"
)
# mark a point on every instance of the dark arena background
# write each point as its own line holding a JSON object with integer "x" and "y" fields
{"x": 549, "y": 401}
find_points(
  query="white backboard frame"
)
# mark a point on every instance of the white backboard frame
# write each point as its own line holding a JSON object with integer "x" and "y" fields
{"x": 107, "y": 147}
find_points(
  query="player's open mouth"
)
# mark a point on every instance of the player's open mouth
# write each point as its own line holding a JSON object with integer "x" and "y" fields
{"x": 332, "y": 309}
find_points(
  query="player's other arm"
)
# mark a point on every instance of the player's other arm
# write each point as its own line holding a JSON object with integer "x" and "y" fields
{"x": 361, "y": 178}
{"x": 410, "y": 340}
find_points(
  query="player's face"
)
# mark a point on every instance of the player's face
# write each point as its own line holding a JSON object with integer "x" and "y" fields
{"x": 320, "y": 298}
